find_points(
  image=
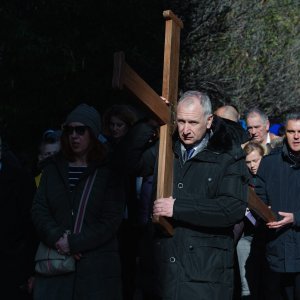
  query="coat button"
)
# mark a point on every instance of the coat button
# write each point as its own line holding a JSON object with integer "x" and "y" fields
{"x": 180, "y": 185}
{"x": 191, "y": 247}
{"x": 172, "y": 259}
{"x": 209, "y": 179}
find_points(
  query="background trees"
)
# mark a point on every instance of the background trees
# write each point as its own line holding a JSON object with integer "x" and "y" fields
{"x": 244, "y": 51}
{"x": 56, "y": 54}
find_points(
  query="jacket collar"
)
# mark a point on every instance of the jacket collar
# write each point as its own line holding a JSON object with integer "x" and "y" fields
{"x": 289, "y": 157}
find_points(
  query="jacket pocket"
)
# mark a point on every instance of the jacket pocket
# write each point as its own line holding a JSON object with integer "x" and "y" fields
{"x": 208, "y": 259}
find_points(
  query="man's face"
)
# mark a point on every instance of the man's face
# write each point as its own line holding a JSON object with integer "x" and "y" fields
{"x": 257, "y": 129}
{"x": 191, "y": 122}
{"x": 292, "y": 133}
{"x": 118, "y": 128}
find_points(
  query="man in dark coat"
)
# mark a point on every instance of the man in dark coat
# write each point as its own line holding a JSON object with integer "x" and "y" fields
{"x": 209, "y": 197}
{"x": 278, "y": 184}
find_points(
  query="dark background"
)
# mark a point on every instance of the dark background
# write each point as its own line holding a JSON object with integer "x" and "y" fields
{"x": 55, "y": 54}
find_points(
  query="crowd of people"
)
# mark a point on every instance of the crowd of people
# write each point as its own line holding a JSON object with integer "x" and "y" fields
{"x": 219, "y": 249}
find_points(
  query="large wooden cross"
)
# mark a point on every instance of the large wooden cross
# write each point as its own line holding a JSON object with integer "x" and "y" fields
{"x": 125, "y": 75}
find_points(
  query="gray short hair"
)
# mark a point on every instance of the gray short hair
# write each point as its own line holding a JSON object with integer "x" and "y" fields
{"x": 259, "y": 112}
{"x": 203, "y": 99}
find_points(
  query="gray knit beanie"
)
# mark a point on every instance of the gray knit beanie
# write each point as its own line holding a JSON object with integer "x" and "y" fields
{"x": 86, "y": 115}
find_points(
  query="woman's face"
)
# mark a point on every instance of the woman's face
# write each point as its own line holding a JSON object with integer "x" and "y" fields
{"x": 79, "y": 138}
{"x": 117, "y": 127}
{"x": 253, "y": 160}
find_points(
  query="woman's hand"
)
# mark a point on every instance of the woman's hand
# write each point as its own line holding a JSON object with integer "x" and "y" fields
{"x": 62, "y": 245}
{"x": 77, "y": 256}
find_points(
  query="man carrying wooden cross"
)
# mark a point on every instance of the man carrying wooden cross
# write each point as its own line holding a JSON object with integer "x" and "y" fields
{"x": 209, "y": 196}
{"x": 195, "y": 259}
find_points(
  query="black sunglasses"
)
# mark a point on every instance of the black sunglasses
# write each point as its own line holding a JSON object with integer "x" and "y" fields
{"x": 80, "y": 130}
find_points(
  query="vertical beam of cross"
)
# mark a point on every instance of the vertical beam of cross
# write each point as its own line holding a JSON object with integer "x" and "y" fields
{"x": 124, "y": 75}
{"x": 170, "y": 92}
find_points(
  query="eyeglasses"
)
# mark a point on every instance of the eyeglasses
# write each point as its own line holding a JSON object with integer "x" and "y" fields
{"x": 80, "y": 130}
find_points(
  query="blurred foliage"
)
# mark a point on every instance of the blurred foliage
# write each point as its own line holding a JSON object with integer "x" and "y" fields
{"x": 244, "y": 51}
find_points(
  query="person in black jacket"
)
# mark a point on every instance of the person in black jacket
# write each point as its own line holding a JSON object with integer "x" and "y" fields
{"x": 250, "y": 254}
{"x": 210, "y": 187}
{"x": 278, "y": 184}
{"x": 56, "y": 206}
{"x": 19, "y": 241}
{"x": 117, "y": 121}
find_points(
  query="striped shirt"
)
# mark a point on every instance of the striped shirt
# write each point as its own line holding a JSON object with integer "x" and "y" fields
{"x": 74, "y": 175}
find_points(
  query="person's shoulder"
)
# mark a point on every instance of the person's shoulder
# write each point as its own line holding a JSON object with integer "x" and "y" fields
{"x": 106, "y": 166}
{"x": 227, "y": 135}
{"x": 271, "y": 158}
{"x": 276, "y": 142}
{"x": 270, "y": 165}
{"x": 53, "y": 163}
{"x": 10, "y": 159}
{"x": 277, "y": 149}
{"x": 108, "y": 172}
{"x": 13, "y": 167}
{"x": 273, "y": 136}
{"x": 49, "y": 161}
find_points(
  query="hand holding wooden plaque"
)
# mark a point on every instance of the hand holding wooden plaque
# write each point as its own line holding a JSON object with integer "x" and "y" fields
{"x": 259, "y": 207}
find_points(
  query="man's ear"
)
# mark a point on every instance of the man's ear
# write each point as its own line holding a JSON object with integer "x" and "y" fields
{"x": 209, "y": 121}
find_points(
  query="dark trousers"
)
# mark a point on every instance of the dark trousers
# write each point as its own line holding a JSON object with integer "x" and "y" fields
{"x": 290, "y": 286}
{"x": 128, "y": 240}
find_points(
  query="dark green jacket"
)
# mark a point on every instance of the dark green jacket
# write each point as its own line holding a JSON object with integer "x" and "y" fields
{"x": 54, "y": 211}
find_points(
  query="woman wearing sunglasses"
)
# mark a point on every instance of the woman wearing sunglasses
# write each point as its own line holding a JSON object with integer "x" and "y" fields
{"x": 57, "y": 204}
